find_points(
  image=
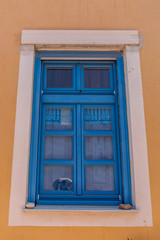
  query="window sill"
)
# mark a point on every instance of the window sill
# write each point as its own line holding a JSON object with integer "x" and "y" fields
{"x": 84, "y": 216}
{"x": 49, "y": 208}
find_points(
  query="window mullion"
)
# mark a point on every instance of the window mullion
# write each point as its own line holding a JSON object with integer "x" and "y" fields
{"x": 78, "y": 77}
{"x": 79, "y": 151}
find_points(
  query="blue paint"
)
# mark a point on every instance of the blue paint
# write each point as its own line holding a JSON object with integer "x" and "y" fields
{"x": 98, "y": 106}
{"x": 124, "y": 133}
{"x": 34, "y": 132}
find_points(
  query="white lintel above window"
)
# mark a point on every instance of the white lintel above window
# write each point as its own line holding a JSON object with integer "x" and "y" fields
{"x": 115, "y": 39}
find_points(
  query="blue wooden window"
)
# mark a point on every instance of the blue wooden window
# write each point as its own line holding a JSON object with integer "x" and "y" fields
{"x": 79, "y": 143}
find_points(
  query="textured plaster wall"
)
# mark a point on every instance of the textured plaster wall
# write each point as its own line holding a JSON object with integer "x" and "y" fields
{"x": 16, "y": 15}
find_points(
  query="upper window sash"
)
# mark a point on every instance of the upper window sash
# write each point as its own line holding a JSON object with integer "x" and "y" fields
{"x": 82, "y": 76}
{"x": 53, "y": 76}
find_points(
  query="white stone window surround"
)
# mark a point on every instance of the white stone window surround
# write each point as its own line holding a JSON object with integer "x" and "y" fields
{"x": 129, "y": 42}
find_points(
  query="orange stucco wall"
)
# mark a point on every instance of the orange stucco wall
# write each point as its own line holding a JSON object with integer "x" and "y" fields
{"x": 143, "y": 15}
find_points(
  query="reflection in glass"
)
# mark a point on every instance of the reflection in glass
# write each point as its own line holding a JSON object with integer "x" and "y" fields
{"x": 98, "y": 147}
{"x": 96, "y": 78}
{"x": 58, "y": 118}
{"x": 98, "y": 118}
{"x": 57, "y": 178}
{"x": 59, "y": 78}
{"x": 100, "y": 178}
{"x": 58, "y": 147}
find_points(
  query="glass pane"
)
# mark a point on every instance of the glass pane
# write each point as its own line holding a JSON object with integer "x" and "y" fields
{"x": 98, "y": 147}
{"x": 58, "y": 118}
{"x": 98, "y": 118}
{"x": 59, "y": 78}
{"x": 96, "y": 78}
{"x": 100, "y": 178}
{"x": 57, "y": 178}
{"x": 58, "y": 147}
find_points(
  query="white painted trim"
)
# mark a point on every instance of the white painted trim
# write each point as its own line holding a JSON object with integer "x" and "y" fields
{"x": 96, "y": 37}
{"x": 20, "y": 165}
{"x": 137, "y": 134}
{"x": 76, "y": 216}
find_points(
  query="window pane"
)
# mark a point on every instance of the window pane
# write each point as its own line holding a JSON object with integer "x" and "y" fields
{"x": 96, "y": 78}
{"x": 100, "y": 178}
{"x": 58, "y": 118}
{"x": 98, "y": 118}
{"x": 58, "y": 147}
{"x": 98, "y": 147}
{"x": 59, "y": 78}
{"x": 57, "y": 178}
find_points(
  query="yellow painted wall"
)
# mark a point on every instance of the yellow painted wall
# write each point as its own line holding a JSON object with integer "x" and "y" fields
{"x": 16, "y": 15}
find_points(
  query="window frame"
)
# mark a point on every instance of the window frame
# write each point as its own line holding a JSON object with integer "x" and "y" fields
{"x": 39, "y": 81}
{"x": 127, "y": 41}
